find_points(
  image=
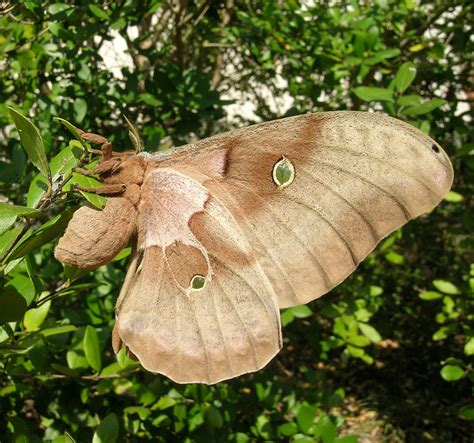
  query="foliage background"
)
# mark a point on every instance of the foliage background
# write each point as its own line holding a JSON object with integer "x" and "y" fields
{"x": 386, "y": 356}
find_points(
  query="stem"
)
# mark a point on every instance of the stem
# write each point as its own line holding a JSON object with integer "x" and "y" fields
{"x": 19, "y": 236}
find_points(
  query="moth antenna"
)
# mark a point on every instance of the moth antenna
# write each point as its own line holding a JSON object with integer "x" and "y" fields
{"x": 134, "y": 135}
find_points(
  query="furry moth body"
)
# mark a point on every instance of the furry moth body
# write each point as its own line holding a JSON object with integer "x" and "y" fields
{"x": 234, "y": 227}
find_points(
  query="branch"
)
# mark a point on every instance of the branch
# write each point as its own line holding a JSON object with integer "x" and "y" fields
{"x": 198, "y": 15}
{"x": 226, "y": 16}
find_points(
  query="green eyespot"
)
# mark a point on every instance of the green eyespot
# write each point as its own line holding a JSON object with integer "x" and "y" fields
{"x": 283, "y": 173}
{"x": 198, "y": 282}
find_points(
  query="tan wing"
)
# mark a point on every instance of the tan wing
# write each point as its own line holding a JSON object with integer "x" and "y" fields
{"x": 358, "y": 177}
{"x": 227, "y": 328}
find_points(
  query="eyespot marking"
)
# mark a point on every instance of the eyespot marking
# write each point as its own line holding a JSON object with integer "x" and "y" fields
{"x": 283, "y": 173}
{"x": 435, "y": 148}
{"x": 198, "y": 282}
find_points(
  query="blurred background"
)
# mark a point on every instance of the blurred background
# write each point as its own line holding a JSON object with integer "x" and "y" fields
{"x": 385, "y": 357}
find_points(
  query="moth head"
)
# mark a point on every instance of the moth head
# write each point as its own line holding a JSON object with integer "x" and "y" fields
{"x": 124, "y": 169}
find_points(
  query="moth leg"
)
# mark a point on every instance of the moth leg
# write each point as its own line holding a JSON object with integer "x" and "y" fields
{"x": 106, "y": 149}
{"x": 105, "y": 190}
{"x": 93, "y": 138}
{"x": 104, "y": 167}
{"x": 114, "y": 153}
{"x": 106, "y": 146}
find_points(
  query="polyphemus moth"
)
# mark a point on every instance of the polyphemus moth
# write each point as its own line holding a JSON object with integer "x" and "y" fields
{"x": 228, "y": 230}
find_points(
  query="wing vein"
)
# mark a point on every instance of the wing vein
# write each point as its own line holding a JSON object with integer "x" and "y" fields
{"x": 269, "y": 314}
{"x": 371, "y": 227}
{"x": 403, "y": 208}
{"x": 201, "y": 337}
{"x": 386, "y": 162}
{"x": 219, "y": 324}
{"x": 249, "y": 336}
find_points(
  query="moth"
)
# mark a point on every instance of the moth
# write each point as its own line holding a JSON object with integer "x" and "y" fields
{"x": 229, "y": 230}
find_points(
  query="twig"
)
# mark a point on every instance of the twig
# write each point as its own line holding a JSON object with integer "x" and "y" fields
{"x": 7, "y": 9}
{"x": 55, "y": 294}
{"x": 178, "y": 38}
{"x": 80, "y": 377}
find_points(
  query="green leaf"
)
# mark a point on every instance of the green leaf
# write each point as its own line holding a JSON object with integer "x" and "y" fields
{"x": 405, "y": 76}
{"x": 446, "y": 287}
{"x": 9, "y": 213}
{"x": 98, "y": 12}
{"x": 327, "y": 430}
{"x": 287, "y": 429}
{"x": 76, "y": 360}
{"x": 165, "y": 403}
{"x": 469, "y": 347}
{"x": 394, "y": 258}
{"x": 370, "y": 332}
{"x": 452, "y": 372}
{"x": 355, "y": 352}
{"x": 358, "y": 340}
{"x": 213, "y": 417}
{"x": 24, "y": 285}
{"x": 12, "y": 305}
{"x": 61, "y": 166}
{"x": 409, "y": 100}
{"x": 263, "y": 426}
{"x": 467, "y": 412}
{"x": 44, "y": 234}
{"x": 301, "y": 311}
{"x": 429, "y": 295}
{"x": 424, "y": 108}
{"x": 123, "y": 360}
{"x": 373, "y": 94}
{"x": 64, "y": 329}
{"x": 149, "y": 99}
{"x": 80, "y": 108}
{"x": 142, "y": 412}
{"x": 305, "y": 417}
{"x": 72, "y": 129}
{"x": 31, "y": 141}
{"x": 92, "y": 348}
{"x": 381, "y": 56}
{"x": 7, "y": 238}
{"x": 286, "y": 317}
{"x": 35, "y": 317}
{"x": 124, "y": 253}
{"x": 441, "y": 333}
{"x": 375, "y": 291}
{"x": 57, "y": 8}
{"x": 453, "y": 197}
{"x": 108, "y": 430}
